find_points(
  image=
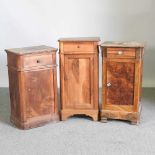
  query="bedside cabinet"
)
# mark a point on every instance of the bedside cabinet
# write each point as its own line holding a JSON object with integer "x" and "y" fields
{"x": 33, "y": 86}
{"x": 79, "y": 77}
{"x": 121, "y": 80}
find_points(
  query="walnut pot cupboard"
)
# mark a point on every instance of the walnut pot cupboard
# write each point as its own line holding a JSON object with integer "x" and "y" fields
{"x": 79, "y": 77}
{"x": 121, "y": 80}
{"x": 33, "y": 86}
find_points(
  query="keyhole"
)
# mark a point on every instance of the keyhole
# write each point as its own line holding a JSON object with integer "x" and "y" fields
{"x": 38, "y": 61}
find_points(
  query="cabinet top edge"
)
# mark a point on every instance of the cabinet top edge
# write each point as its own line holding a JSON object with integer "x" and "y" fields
{"x": 123, "y": 44}
{"x": 95, "y": 39}
{"x": 31, "y": 50}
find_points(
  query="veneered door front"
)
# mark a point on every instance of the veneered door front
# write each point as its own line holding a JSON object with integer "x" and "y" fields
{"x": 39, "y": 92}
{"x": 120, "y": 83}
{"x": 78, "y": 82}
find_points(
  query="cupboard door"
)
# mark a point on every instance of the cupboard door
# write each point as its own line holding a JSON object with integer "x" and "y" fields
{"x": 78, "y": 82}
{"x": 120, "y": 83}
{"x": 39, "y": 93}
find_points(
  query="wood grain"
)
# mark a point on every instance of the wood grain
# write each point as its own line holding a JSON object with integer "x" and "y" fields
{"x": 33, "y": 87}
{"x": 78, "y": 46}
{"x": 121, "y": 98}
{"x": 79, "y": 78}
{"x": 121, "y": 77}
{"x": 125, "y": 53}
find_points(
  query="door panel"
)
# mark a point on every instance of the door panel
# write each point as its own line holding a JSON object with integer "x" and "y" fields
{"x": 78, "y": 81}
{"x": 39, "y": 93}
{"x": 120, "y": 83}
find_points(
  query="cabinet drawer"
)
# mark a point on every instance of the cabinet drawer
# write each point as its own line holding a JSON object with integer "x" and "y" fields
{"x": 38, "y": 60}
{"x": 121, "y": 53}
{"x": 78, "y": 47}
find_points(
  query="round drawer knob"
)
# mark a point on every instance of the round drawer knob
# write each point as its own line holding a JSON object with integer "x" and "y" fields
{"x": 120, "y": 52}
{"x": 78, "y": 46}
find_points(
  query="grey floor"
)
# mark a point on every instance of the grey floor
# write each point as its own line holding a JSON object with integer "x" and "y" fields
{"x": 80, "y": 135}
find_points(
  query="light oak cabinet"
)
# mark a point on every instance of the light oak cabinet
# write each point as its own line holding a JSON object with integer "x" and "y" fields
{"x": 121, "y": 80}
{"x": 79, "y": 77}
{"x": 33, "y": 86}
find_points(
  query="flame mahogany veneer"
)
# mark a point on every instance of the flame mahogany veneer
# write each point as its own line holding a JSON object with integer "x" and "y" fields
{"x": 33, "y": 86}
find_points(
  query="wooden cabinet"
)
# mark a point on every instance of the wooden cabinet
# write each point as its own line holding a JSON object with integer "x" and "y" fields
{"x": 79, "y": 77}
{"x": 33, "y": 86}
{"x": 121, "y": 80}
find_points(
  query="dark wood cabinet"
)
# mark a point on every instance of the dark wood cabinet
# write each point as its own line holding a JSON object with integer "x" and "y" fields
{"x": 33, "y": 86}
{"x": 121, "y": 80}
{"x": 79, "y": 77}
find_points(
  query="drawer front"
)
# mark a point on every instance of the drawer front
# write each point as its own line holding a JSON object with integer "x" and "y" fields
{"x": 78, "y": 46}
{"x": 121, "y": 53}
{"x": 38, "y": 60}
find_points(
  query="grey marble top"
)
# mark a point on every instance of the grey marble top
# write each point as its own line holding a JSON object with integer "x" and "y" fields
{"x": 80, "y": 39}
{"x": 32, "y": 49}
{"x": 122, "y": 44}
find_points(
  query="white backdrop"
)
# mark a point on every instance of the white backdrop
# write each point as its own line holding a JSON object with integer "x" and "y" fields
{"x": 35, "y": 22}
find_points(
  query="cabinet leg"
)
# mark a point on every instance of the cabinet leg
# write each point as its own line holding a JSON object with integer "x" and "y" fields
{"x": 103, "y": 119}
{"x": 63, "y": 118}
{"x": 95, "y": 118}
{"x": 55, "y": 117}
{"x": 135, "y": 122}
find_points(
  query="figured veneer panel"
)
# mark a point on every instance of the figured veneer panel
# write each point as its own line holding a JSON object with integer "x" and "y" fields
{"x": 33, "y": 86}
{"x": 121, "y": 80}
{"x": 121, "y": 77}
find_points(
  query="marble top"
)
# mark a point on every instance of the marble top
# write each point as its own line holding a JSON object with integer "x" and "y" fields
{"x": 32, "y": 49}
{"x": 122, "y": 44}
{"x": 80, "y": 39}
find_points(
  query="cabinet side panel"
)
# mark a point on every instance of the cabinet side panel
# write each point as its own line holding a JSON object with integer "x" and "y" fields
{"x": 14, "y": 94}
{"x": 55, "y": 90}
{"x": 138, "y": 79}
{"x": 14, "y": 61}
{"x": 96, "y": 81}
